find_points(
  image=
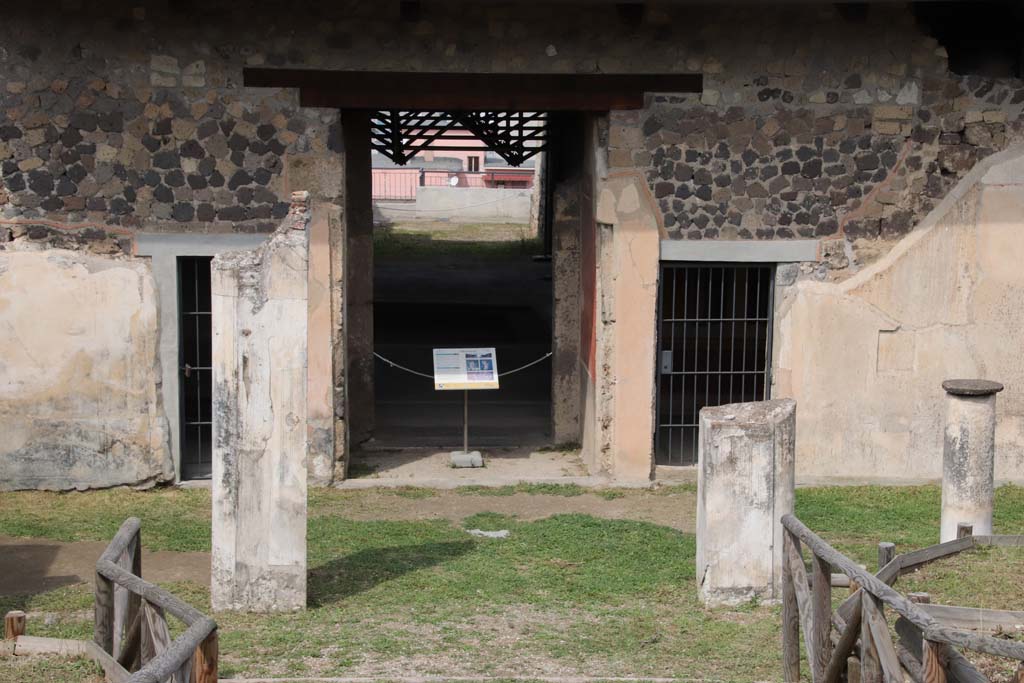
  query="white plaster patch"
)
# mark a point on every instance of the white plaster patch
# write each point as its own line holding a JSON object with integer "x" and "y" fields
{"x": 895, "y": 350}
{"x": 629, "y": 201}
{"x": 909, "y": 94}
{"x": 1007, "y": 173}
{"x": 165, "y": 64}
{"x": 606, "y": 207}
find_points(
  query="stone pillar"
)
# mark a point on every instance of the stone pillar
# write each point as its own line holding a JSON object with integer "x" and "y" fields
{"x": 627, "y": 285}
{"x": 357, "y": 219}
{"x": 565, "y": 290}
{"x": 320, "y": 414}
{"x": 322, "y": 177}
{"x": 968, "y": 456}
{"x": 745, "y": 485}
{"x": 561, "y": 188}
{"x": 259, "y": 304}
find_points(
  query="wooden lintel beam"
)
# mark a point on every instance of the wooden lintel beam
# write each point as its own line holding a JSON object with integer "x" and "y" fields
{"x": 375, "y": 90}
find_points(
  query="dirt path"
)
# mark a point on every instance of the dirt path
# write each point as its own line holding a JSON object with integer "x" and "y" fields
{"x": 31, "y": 565}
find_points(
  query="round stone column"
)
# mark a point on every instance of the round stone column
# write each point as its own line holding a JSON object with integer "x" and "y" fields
{"x": 968, "y": 456}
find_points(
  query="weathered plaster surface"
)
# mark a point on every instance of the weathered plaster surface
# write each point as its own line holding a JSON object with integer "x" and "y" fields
{"x": 326, "y": 428}
{"x": 79, "y": 376}
{"x": 320, "y": 373}
{"x": 745, "y": 484}
{"x": 260, "y": 303}
{"x": 866, "y": 358}
{"x": 628, "y": 270}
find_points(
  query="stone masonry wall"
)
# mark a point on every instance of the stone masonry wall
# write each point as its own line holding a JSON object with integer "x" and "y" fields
{"x": 819, "y": 128}
{"x": 810, "y": 124}
{"x": 110, "y": 120}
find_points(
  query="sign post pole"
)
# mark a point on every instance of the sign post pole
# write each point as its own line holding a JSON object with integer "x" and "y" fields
{"x": 465, "y": 421}
{"x": 465, "y": 369}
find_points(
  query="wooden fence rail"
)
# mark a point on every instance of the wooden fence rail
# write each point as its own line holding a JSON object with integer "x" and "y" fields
{"x": 855, "y": 638}
{"x": 132, "y": 641}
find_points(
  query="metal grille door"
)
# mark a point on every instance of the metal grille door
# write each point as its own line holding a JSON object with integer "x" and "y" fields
{"x": 195, "y": 373}
{"x": 715, "y": 325}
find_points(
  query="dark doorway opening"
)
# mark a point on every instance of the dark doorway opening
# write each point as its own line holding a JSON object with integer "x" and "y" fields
{"x": 982, "y": 37}
{"x": 714, "y": 347}
{"x": 460, "y": 283}
{"x": 195, "y": 346}
{"x": 394, "y": 113}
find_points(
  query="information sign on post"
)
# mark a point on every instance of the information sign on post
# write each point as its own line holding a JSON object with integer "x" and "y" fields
{"x": 465, "y": 369}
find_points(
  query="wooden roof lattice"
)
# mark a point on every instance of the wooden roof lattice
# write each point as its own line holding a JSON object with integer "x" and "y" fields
{"x": 515, "y": 136}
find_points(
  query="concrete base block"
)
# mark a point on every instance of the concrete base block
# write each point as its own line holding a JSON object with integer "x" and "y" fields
{"x": 745, "y": 485}
{"x": 464, "y": 459}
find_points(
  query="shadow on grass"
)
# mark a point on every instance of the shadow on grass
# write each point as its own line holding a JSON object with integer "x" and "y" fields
{"x": 361, "y": 571}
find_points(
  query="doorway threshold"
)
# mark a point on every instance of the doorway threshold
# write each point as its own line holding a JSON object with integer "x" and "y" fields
{"x": 431, "y": 468}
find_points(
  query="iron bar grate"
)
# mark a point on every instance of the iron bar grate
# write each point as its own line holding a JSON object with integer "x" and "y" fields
{"x": 714, "y": 347}
{"x": 195, "y": 373}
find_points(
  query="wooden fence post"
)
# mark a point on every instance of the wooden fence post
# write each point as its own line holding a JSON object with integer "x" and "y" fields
{"x": 932, "y": 670}
{"x": 103, "y": 629}
{"x": 790, "y": 617}
{"x": 14, "y": 624}
{"x": 886, "y": 552}
{"x": 870, "y": 668}
{"x": 132, "y": 618}
{"x": 852, "y": 669}
{"x": 204, "y": 661}
{"x": 821, "y": 609}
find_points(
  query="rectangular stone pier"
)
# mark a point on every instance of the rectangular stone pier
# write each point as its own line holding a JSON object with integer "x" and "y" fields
{"x": 259, "y": 422}
{"x": 745, "y": 484}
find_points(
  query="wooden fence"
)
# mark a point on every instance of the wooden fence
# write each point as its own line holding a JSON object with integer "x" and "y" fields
{"x": 928, "y": 638}
{"x": 132, "y": 641}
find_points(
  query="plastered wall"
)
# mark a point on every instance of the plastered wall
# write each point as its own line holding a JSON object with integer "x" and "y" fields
{"x": 865, "y": 358}
{"x": 79, "y": 399}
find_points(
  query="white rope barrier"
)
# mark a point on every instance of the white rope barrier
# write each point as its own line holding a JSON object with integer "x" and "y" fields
{"x": 393, "y": 364}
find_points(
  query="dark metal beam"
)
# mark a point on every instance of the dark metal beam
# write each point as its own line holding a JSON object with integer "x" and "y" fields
{"x": 470, "y": 92}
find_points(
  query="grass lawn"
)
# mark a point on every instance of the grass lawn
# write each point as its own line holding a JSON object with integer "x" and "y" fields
{"x": 569, "y": 594}
{"x": 431, "y": 239}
